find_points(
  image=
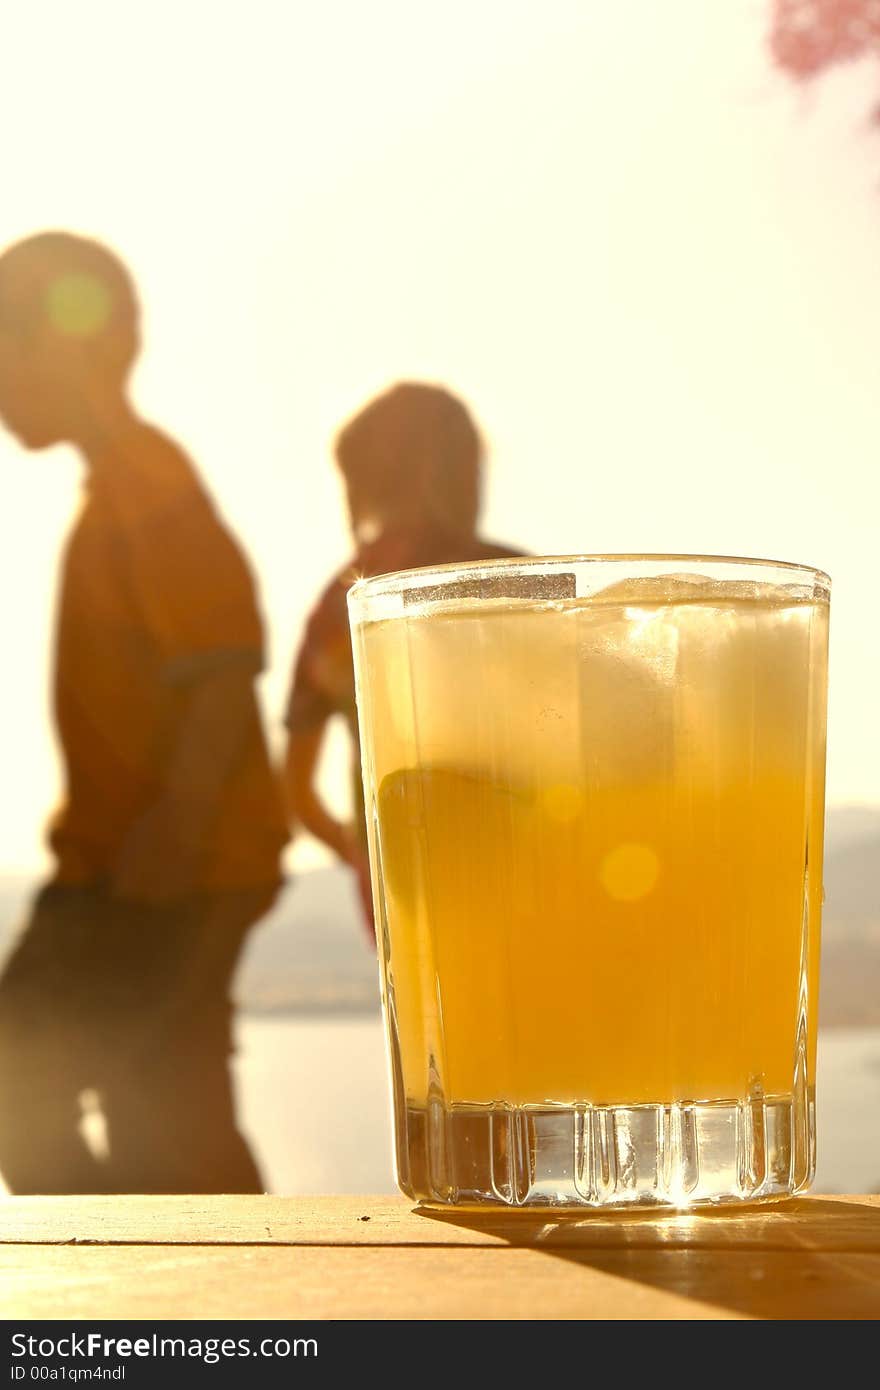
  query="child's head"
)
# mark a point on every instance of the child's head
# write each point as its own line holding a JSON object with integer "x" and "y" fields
{"x": 412, "y": 456}
{"x": 68, "y": 335}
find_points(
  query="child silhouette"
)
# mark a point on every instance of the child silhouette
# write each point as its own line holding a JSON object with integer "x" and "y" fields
{"x": 167, "y": 841}
{"x": 411, "y": 461}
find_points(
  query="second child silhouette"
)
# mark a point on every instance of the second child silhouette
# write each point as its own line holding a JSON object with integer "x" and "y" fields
{"x": 167, "y": 843}
{"x": 411, "y": 463}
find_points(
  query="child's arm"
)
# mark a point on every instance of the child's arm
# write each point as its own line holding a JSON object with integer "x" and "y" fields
{"x": 163, "y": 855}
{"x": 304, "y": 806}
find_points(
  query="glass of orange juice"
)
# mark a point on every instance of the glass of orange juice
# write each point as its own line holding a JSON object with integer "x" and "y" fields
{"x": 595, "y": 794}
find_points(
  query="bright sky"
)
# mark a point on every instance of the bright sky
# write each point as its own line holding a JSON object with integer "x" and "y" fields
{"x": 647, "y": 260}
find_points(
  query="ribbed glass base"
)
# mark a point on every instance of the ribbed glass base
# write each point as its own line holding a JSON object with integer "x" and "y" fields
{"x": 586, "y": 1156}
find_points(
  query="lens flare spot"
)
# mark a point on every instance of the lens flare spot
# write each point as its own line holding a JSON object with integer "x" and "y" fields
{"x": 563, "y": 801}
{"x": 629, "y": 872}
{"x": 78, "y": 305}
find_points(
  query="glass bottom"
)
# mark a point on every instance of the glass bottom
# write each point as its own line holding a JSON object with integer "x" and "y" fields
{"x": 580, "y": 1156}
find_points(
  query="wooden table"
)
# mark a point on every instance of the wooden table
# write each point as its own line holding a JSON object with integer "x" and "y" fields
{"x": 375, "y": 1257}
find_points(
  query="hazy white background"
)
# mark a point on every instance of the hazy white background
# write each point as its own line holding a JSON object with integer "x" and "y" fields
{"x": 647, "y": 260}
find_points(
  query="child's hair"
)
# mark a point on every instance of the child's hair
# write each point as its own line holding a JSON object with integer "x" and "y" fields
{"x": 414, "y": 451}
{"x": 72, "y": 290}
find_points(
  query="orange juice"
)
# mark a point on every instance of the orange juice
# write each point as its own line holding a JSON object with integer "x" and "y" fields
{"x": 597, "y": 839}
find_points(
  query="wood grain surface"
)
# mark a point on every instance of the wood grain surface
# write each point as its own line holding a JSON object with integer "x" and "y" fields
{"x": 378, "y": 1257}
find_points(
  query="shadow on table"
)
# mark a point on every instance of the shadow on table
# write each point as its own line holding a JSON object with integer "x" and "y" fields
{"x": 803, "y": 1259}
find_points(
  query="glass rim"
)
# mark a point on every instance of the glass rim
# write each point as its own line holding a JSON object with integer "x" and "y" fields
{"x": 420, "y": 577}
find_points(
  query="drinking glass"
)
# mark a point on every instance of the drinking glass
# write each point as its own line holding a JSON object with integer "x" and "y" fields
{"x": 594, "y": 790}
